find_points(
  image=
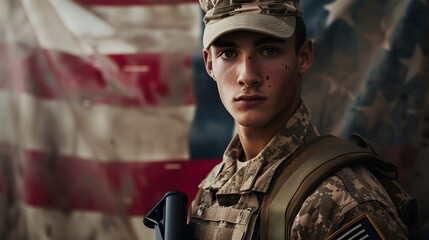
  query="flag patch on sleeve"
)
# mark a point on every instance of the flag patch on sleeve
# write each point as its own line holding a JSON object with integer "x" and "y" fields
{"x": 361, "y": 228}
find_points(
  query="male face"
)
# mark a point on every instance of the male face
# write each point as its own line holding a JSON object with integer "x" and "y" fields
{"x": 258, "y": 77}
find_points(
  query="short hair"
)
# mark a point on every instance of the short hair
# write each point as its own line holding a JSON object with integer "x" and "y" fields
{"x": 300, "y": 33}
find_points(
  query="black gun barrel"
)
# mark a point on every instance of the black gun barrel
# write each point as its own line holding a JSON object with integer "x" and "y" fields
{"x": 175, "y": 215}
{"x": 168, "y": 217}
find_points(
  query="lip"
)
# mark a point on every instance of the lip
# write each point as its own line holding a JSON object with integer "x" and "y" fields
{"x": 250, "y": 100}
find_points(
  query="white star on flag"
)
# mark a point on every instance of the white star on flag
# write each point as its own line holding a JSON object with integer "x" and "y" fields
{"x": 339, "y": 9}
{"x": 414, "y": 64}
{"x": 381, "y": 35}
{"x": 379, "y": 111}
{"x": 343, "y": 85}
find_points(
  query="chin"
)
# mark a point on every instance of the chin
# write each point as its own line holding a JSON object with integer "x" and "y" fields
{"x": 252, "y": 121}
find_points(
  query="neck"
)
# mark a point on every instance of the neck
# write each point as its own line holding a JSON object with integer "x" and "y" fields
{"x": 255, "y": 139}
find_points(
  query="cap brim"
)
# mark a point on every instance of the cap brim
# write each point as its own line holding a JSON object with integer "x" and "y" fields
{"x": 282, "y": 28}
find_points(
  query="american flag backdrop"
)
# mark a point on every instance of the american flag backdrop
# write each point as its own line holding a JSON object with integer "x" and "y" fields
{"x": 105, "y": 105}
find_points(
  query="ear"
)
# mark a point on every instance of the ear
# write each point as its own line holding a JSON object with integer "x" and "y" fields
{"x": 208, "y": 62}
{"x": 305, "y": 56}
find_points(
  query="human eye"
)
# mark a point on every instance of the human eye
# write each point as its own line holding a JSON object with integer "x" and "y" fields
{"x": 269, "y": 52}
{"x": 227, "y": 54}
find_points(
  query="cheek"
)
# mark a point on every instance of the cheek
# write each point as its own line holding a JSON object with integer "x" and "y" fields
{"x": 282, "y": 81}
{"x": 277, "y": 75}
{"x": 289, "y": 67}
{"x": 224, "y": 76}
{"x": 283, "y": 68}
{"x": 225, "y": 92}
{"x": 221, "y": 72}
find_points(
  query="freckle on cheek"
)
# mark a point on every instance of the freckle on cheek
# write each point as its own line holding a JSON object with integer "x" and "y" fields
{"x": 269, "y": 85}
{"x": 250, "y": 58}
{"x": 268, "y": 77}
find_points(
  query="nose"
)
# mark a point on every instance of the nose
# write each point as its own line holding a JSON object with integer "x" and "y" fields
{"x": 248, "y": 73}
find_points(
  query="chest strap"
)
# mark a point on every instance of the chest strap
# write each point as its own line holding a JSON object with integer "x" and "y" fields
{"x": 297, "y": 178}
{"x": 230, "y": 215}
{"x": 213, "y": 232}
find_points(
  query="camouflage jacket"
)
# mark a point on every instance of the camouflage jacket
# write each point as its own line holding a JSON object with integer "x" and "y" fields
{"x": 227, "y": 205}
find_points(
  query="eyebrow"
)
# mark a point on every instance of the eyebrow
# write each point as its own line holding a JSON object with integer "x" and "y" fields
{"x": 259, "y": 42}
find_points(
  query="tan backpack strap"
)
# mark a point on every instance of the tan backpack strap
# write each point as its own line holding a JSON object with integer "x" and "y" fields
{"x": 317, "y": 160}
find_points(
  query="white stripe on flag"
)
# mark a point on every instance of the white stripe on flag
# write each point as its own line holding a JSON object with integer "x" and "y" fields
{"x": 357, "y": 234}
{"x": 63, "y": 25}
{"x": 350, "y": 231}
{"x": 98, "y": 132}
{"x": 49, "y": 31}
{"x": 80, "y": 21}
{"x": 44, "y": 223}
{"x": 364, "y": 237}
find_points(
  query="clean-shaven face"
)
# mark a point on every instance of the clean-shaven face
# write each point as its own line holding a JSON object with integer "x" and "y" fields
{"x": 257, "y": 76}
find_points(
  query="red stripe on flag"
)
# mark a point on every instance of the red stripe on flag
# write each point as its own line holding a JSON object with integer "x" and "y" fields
{"x": 121, "y": 79}
{"x": 132, "y": 2}
{"x": 132, "y": 187}
{"x": 137, "y": 76}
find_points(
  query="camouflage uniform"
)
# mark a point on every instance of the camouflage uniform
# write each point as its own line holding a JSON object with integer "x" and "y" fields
{"x": 228, "y": 203}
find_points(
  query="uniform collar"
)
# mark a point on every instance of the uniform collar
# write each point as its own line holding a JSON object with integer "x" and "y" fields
{"x": 257, "y": 174}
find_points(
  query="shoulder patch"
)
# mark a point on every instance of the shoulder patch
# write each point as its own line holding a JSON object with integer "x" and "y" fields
{"x": 362, "y": 227}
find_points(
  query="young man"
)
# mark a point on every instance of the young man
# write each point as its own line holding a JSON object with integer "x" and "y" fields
{"x": 257, "y": 53}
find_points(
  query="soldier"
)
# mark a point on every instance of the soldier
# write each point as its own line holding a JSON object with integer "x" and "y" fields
{"x": 257, "y": 52}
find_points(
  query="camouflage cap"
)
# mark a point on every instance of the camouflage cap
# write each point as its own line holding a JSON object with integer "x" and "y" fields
{"x": 271, "y": 17}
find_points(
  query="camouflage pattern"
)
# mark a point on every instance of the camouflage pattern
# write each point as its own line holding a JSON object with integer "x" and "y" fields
{"x": 226, "y": 194}
{"x": 258, "y": 172}
{"x": 349, "y": 193}
{"x": 274, "y": 18}
{"x": 219, "y": 9}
